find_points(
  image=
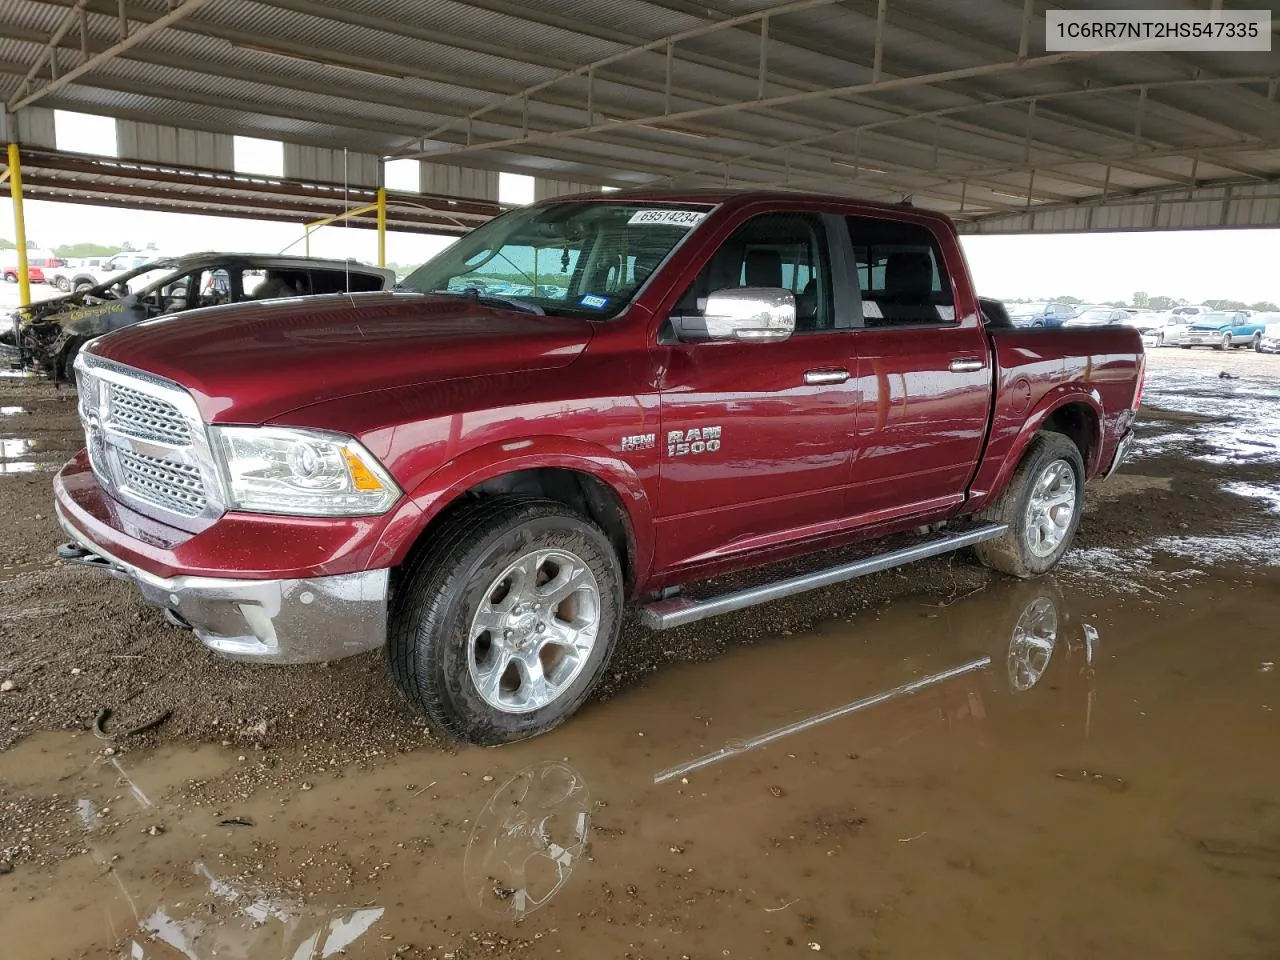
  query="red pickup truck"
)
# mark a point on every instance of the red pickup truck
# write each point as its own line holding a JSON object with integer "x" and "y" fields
{"x": 584, "y": 402}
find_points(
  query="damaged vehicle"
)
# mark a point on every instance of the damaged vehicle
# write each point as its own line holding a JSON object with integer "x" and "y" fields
{"x": 47, "y": 336}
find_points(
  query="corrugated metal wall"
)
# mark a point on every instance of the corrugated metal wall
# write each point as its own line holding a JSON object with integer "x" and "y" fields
{"x": 459, "y": 181}
{"x": 322, "y": 163}
{"x": 1207, "y": 208}
{"x": 164, "y": 144}
{"x": 32, "y": 127}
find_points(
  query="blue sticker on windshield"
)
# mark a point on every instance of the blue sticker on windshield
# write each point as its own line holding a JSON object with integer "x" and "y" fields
{"x": 594, "y": 302}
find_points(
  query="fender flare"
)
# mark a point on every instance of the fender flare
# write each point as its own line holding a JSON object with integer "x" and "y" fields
{"x": 452, "y": 479}
{"x": 1054, "y": 400}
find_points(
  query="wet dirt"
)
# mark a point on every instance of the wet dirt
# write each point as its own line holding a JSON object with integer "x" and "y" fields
{"x": 936, "y": 762}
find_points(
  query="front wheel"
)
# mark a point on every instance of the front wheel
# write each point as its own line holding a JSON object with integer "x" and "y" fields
{"x": 62, "y": 283}
{"x": 1226, "y": 342}
{"x": 505, "y": 621}
{"x": 1159, "y": 339}
{"x": 1041, "y": 507}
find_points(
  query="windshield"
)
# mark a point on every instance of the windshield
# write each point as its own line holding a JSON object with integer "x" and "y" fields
{"x": 137, "y": 278}
{"x": 585, "y": 259}
{"x": 1215, "y": 319}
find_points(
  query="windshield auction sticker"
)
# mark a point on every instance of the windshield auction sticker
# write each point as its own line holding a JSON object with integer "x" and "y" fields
{"x": 1169, "y": 30}
{"x": 667, "y": 218}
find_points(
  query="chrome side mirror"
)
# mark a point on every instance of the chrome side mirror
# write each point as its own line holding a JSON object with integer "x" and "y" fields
{"x": 756, "y": 314}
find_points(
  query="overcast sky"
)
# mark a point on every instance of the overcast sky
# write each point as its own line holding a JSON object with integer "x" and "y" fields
{"x": 1192, "y": 265}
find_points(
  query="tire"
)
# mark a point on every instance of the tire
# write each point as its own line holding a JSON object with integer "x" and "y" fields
{"x": 10, "y": 278}
{"x": 438, "y": 648}
{"x": 1159, "y": 338}
{"x": 1225, "y": 344}
{"x": 82, "y": 285}
{"x": 1257, "y": 342}
{"x": 62, "y": 283}
{"x": 66, "y": 363}
{"x": 1024, "y": 549}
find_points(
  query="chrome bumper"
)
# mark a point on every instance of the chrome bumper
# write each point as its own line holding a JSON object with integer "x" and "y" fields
{"x": 1122, "y": 451}
{"x": 268, "y": 621}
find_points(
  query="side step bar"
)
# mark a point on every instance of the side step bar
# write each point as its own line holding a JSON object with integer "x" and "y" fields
{"x": 678, "y": 611}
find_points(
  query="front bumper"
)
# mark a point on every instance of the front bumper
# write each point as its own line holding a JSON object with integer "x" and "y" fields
{"x": 272, "y": 621}
{"x": 1269, "y": 345}
{"x": 1122, "y": 451}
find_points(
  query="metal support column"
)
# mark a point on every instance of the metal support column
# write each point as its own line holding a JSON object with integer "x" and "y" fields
{"x": 382, "y": 226}
{"x": 19, "y": 224}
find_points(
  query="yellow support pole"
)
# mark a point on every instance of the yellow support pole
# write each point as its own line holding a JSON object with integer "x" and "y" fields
{"x": 382, "y": 226}
{"x": 19, "y": 224}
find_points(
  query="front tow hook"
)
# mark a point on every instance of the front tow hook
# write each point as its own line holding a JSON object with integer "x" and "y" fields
{"x": 74, "y": 553}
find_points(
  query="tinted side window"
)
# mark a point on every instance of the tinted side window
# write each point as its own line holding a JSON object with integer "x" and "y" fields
{"x": 787, "y": 250}
{"x": 901, "y": 274}
{"x": 335, "y": 281}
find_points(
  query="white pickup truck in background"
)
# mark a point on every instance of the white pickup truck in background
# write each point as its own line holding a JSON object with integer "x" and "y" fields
{"x": 86, "y": 272}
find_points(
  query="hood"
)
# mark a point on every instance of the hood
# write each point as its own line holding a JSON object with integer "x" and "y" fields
{"x": 1211, "y": 325}
{"x": 250, "y": 362}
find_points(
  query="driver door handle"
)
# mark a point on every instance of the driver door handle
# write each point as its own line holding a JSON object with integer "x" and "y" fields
{"x": 828, "y": 375}
{"x": 966, "y": 365}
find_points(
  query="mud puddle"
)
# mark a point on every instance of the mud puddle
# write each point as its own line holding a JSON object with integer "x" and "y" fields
{"x": 1218, "y": 421}
{"x": 1026, "y": 771}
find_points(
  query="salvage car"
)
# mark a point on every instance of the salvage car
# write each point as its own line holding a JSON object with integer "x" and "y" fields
{"x": 697, "y": 383}
{"x": 48, "y": 335}
{"x": 1269, "y": 342}
{"x": 1098, "y": 317}
{"x": 1223, "y": 330}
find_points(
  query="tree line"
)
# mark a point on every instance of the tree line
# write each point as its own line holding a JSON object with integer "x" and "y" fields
{"x": 69, "y": 251}
{"x": 1143, "y": 301}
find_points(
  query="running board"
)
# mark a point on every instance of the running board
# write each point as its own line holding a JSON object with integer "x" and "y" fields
{"x": 678, "y": 611}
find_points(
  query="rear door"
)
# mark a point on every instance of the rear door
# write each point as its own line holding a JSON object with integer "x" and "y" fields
{"x": 924, "y": 377}
{"x": 756, "y": 437}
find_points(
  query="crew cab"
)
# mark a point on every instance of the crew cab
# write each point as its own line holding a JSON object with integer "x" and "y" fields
{"x": 693, "y": 384}
{"x": 1223, "y": 330}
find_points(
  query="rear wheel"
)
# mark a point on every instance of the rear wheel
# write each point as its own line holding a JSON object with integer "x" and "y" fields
{"x": 62, "y": 283}
{"x": 1257, "y": 342}
{"x": 506, "y": 620}
{"x": 1041, "y": 507}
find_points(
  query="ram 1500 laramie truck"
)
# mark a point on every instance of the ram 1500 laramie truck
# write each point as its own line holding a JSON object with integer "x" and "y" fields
{"x": 584, "y": 403}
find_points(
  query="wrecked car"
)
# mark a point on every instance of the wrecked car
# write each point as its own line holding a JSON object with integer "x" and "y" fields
{"x": 46, "y": 336}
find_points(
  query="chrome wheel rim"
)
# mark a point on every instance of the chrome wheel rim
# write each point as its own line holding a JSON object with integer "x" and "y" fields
{"x": 534, "y": 631}
{"x": 1031, "y": 644}
{"x": 1051, "y": 509}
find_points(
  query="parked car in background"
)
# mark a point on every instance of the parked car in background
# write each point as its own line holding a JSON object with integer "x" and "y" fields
{"x": 38, "y": 261}
{"x": 1144, "y": 321}
{"x": 1170, "y": 332}
{"x": 1039, "y": 314}
{"x": 1269, "y": 342}
{"x": 1223, "y": 330}
{"x": 1098, "y": 317}
{"x": 49, "y": 334}
{"x": 87, "y": 272}
{"x": 1191, "y": 312}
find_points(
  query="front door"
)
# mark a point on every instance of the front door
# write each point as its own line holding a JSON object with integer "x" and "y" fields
{"x": 924, "y": 378}
{"x": 755, "y": 441}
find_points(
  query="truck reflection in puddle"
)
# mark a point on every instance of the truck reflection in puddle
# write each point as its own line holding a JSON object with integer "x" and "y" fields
{"x": 1024, "y": 652}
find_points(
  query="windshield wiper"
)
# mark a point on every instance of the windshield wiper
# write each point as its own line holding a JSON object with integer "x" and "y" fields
{"x": 490, "y": 299}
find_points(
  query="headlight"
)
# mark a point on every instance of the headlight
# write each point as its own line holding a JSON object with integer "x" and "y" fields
{"x": 308, "y": 472}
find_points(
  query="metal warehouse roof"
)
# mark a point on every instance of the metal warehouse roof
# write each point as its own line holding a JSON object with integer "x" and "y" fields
{"x": 953, "y": 102}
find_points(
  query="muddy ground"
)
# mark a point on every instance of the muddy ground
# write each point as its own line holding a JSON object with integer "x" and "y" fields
{"x": 351, "y": 809}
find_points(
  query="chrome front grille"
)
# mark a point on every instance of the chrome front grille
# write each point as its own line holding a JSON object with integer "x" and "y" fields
{"x": 147, "y": 443}
{"x": 174, "y": 486}
{"x": 141, "y": 415}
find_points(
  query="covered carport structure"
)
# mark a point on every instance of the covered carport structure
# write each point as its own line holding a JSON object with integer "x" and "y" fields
{"x": 954, "y": 104}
